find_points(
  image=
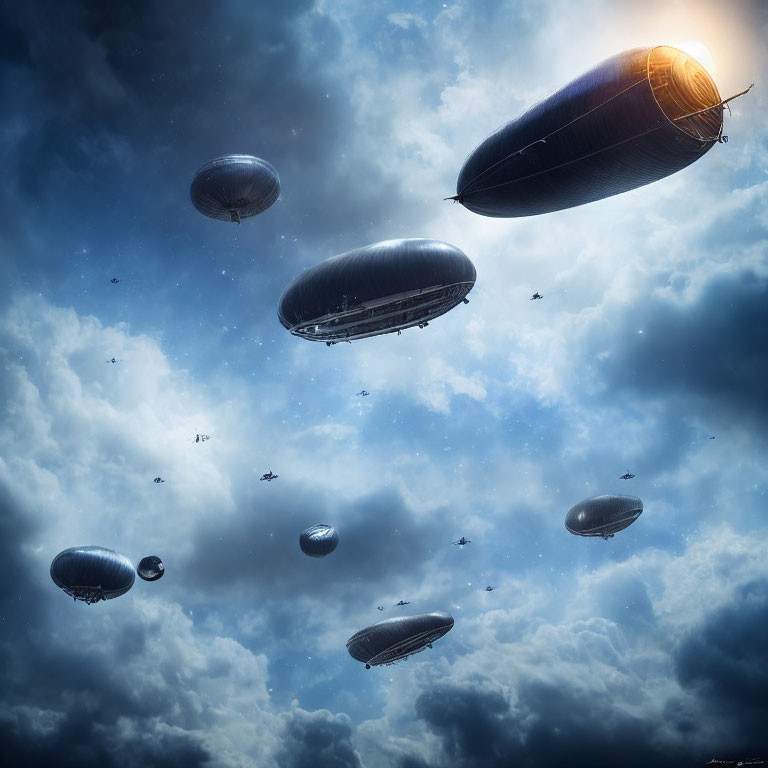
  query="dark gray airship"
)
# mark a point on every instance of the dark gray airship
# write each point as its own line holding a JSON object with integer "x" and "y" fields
{"x": 91, "y": 574}
{"x": 633, "y": 119}
{"x": 233, "y": 187}
{"x": 377, "y": 289}
{"x": 319, "y": 540}
{"x": 603, "y": 515}
{"x": 391, "y": 640}
{"x": 150, "y": 568}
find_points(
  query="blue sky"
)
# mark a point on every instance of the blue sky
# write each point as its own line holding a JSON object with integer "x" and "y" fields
{"x": 490, "y": 423}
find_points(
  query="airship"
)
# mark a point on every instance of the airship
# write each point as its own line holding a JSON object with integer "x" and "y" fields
{"x": 91, "y": 574}
{"x": 635, "y": 118}
{"x": 380, "y": 288}
{"x": 319, "y": 540}
{"x": 603, "y": 515}
{"x": 392, "y": 640}
{"x": 234, "y": 187}
{"x": 150, "y": 568}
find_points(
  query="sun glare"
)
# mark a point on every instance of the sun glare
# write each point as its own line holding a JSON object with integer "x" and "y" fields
{"x": 700, "y": 52}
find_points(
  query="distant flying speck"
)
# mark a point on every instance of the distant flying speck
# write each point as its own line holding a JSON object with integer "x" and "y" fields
{"x": 626, "y": 476}
{"x": 158, "y": 480}
{"x": 461, "y": 542}
{"x": 112, "y": 360}
{"x": 269, "y": 476}
{"x": 535, "y": 296}
{"x": 363, "y": 393}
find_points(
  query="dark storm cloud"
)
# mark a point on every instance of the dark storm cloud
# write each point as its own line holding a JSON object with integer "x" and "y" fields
{"x": 110, "y": 109}
{"x": 313, "y": 739}
{"x": 380, "y": 543}
{"x": 725, "y": 661}
{"x": 62, "y": 704}
{"x": 548, "y": 726}
{"x": 713, "y": 350}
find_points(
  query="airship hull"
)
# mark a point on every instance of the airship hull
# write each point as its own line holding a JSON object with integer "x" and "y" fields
{"x": 603, "y": 516}
{"x": 619, "y": 126}
{"x": 381, "y": 288}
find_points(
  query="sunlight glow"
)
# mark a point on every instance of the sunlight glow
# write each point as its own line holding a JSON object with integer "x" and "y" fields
{"x": 701, "y": 53}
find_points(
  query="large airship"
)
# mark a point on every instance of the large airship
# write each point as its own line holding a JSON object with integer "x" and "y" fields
{"x": 603, "y": 515}
{"x": 391, "y": 640}
{"x": 233, "y": 187}
{"x": 319, "y": 540}
{"x": 632, "y": 120}
{"x": 91, "y": 574}
{"x": 381, "y": 288}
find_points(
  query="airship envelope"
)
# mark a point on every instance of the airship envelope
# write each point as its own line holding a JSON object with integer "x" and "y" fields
{"x": 319, "y": 540}
{"x": 603, "y": 515}
{"x": 233, "y": 187}
{"x": 634, "y": 119}
{"x": 91, "y": 574}
{"x": 394, "y": 639}
{"x": 381, "y": 288}
{"x": 150, "y": 568}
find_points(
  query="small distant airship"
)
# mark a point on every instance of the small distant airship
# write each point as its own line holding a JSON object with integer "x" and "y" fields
{"x": 233, "y": 187}
{"x": 150, "y": 568}
{"x": 380, "y": 288}
{"x": 635, "y": 118}
{"x": 626, "y": 476}
{"x": 269, "y": 476}
{"x": 91, "y": 574}
{"x": 392, "y": 640}
{"x": 489, "y": 588}
{"x": 403, "y": 602}
{"x": 461, "y": 542}
{"x": 535, "y": 296}
{"x": 158, "y": 480}
{"x": 603, "y": 515}
{"x": 363, "y": 393}
{"x": 319, "y": 540}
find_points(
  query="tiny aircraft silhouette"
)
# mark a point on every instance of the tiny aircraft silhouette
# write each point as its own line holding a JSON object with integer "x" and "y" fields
{"x": 626, "y": 476}
{"x": 114, "y": 281}
{"x": 158, "y": 480}
{"x": 364, "y": 393}
{"x": 403, "y": 602}
{"x": 461, "y": 542}
{"x": 535, "y": 296}
{"x": 711, "y": 437}
{"x": 112, "y": 360}
{"x": 268, "y": 476}
{"x": 489, "y": 588}
{"x": 201, "y": 438}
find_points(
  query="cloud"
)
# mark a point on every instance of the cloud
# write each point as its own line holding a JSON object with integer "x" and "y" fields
{"x": 317, "y": 738}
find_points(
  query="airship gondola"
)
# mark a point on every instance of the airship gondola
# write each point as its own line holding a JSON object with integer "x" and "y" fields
{"x": 233, "y": 187}
{"x": 635, "y": 118}
{"x": 603, "y": 515}
{"x": 392, "y": 640}
{"x": 319, "y": 540}
{"x": 91, "y": 574}
{"x": 381, "y": 288}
